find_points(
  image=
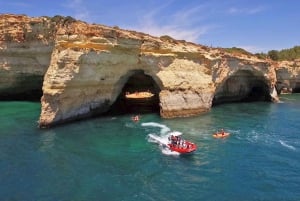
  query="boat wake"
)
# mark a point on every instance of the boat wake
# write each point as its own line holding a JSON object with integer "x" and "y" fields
{"x": 286, "y": 145}
{"x": 161, "y": 138}
{"x": 163, "y": 128}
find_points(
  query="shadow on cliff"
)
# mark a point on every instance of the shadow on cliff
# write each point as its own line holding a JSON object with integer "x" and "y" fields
{"x": 243, "y": 86}
{"x": 25, "y": 88}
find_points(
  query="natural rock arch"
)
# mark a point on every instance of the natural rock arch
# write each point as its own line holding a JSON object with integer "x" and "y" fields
{"x": 243, "y": 86}
{"x": 136, "y": 81}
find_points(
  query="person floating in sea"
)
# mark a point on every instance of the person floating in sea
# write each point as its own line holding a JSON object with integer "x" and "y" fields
{"x": 135, "y": 118}
{"x": 220, "y": 134}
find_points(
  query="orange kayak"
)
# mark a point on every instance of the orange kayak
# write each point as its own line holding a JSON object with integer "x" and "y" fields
{"x": 220, "y": 135}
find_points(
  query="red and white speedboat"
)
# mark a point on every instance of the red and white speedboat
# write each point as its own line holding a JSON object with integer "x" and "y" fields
{"x": 174, "y": 143}
{"x": 180, "y": 145}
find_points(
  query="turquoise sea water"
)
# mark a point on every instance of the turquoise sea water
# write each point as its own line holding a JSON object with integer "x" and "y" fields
{"x": 111, "y": 158}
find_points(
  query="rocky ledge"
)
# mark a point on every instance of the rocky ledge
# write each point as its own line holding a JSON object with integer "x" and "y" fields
{"x": 88, "y": 68}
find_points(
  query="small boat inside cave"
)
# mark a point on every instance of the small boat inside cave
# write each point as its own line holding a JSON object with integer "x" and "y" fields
{"x": 139, "y": 95}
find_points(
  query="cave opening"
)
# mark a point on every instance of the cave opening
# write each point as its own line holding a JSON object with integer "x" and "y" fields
{"x": 296, "y": 89}
{"x": 24, "y": 88}
{"x": 243, "y": 86}
{"x": 137, "y": 83}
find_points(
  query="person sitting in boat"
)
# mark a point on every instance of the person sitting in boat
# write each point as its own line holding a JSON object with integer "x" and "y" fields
{"x": 220, "y": 132}
{"x": 178, "y": 138}
{"x": 182, "y": 144}
{"x": 179, "y": 142}
{"x": 173, "y": 140}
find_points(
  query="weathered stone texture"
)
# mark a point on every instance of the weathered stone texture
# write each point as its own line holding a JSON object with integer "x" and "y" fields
{"x": 26, "y": 45}
{"x": 288, "y": 76}
{"x": 86, "y": 66}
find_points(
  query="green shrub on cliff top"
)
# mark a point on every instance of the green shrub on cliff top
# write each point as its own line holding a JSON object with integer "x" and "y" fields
{"x": 167, "y": 38}
{"x": 285, "y": 54}
{"x": 64, "y": 20}
{"x": 237, "y": 50}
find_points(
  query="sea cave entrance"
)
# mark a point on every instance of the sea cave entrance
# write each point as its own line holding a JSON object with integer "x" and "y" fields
{"x": 139, "y": 95}
{"x": 296, "y": 89}
{"x": 243, "y": 86}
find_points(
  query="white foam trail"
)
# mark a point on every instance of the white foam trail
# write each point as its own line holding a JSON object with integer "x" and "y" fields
{"x": 167, "y": 151}
{"x": 162, "y": 139}
{"x": 164, "y": 128}
{"x": 157, "y": 139}
{"x": 286, "y": 145}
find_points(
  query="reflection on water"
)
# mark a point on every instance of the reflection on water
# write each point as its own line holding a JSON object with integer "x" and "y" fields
{"x": 47, "y": 140}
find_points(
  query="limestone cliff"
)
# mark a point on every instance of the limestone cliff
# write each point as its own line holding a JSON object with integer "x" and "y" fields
{"x": 87, "y": 68}
{"x": 90, "y": 67}
{"x": 26, "y": 45}
{"x": 288, "y": 76}
{"x": 243, "y": 79}
{"x": 91, "y": 64}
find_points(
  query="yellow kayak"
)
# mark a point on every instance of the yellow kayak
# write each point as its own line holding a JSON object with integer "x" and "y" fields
{"x": 139, "y": 95}
{"x": 221, "y": 135}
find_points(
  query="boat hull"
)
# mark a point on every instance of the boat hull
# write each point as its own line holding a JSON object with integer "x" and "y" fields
{"x": 187, "y": 149}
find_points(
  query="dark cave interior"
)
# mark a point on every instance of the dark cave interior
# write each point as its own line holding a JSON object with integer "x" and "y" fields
{"x": 138, "y": 82}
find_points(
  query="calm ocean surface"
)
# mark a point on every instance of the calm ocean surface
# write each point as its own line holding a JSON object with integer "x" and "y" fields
{"x": 112, "y": 159}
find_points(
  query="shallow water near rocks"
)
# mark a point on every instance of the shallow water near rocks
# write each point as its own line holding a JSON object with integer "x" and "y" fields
{"x": 111, "y": 158}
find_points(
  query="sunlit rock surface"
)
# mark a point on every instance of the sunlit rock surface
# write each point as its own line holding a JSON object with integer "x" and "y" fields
{"x": 244, "y": 80}
{"x": 288, "y": 76}
{"x": 86, "y": 69}
{"x": 91, "y": 64}
{"x": 26, "y": 45}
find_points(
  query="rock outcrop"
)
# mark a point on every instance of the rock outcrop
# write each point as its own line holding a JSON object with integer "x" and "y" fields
{"x": 87, "y": 68}
{"x": 90, "y": 67}
{"x": 91, "y": 64}
{"x": 244, "y": 80}
{"x": 288, "y": 76}
{"x": 26, "y": 45}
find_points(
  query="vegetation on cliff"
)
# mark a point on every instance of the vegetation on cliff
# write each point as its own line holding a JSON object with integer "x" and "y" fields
{"x": 282, "y": 55}
{"x": 237, "y": 51}
{"x": 63, "y": 20}
{"x": 285, "y": 54}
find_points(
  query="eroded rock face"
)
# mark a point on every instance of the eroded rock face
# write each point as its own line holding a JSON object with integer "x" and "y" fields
{"x": 188, "y": 88}
{"x": 90, "y": 65}
{"x": 26, "y": 45}
{"x": 87, "y": 73}
{"x": 288, "y": 76}
{"x": 239, "y": 80}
